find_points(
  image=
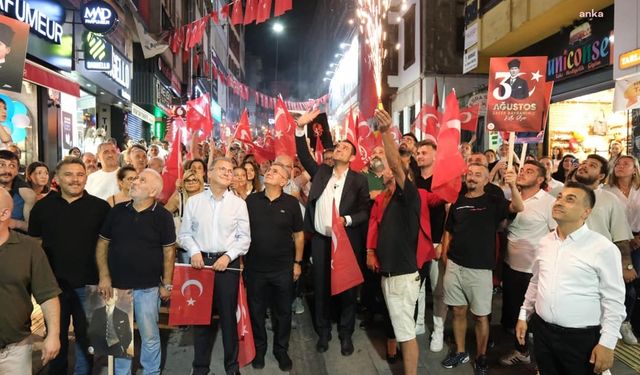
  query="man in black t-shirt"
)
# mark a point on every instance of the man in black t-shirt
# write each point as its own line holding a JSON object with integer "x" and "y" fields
{"x": 273, "y": 263}
{"x": 71, "y": 253}
{"x": 469, "y": 253}
{"x": 136, "y": 250}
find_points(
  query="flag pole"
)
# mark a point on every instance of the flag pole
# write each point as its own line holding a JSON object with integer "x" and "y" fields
{"x": 512, "y": 141}
{"x": 523, "y": 153}
{"x": 110, "y": 365}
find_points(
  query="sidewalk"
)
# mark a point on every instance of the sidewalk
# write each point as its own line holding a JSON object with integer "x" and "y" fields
{"x": 368, "y": 358}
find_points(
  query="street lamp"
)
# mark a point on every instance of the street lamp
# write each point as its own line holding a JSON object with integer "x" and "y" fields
{"x": 278, "y": 29}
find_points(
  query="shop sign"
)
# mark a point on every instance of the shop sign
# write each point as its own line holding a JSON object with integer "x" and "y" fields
{"x": 163, "y": 96}
{"x": 98, "y": 53}
{"x": 479, "y": 99}
{"x": 121, "y": 70}
{"x": 471, "y": 35}
{"x": 142, "y": 114}
{"x": 629, "y": 59}
{"x": 470, "y": 60}
{"x": 99, "y": 17}
{"x": 38, "y": 20}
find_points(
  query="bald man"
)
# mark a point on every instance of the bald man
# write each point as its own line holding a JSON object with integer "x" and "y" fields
{"x": 24, "y": 271}
{"x": 136, "y": 250}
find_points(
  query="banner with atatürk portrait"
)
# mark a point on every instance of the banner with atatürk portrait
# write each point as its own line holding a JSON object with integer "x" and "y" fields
{"x": 516, "y": 96}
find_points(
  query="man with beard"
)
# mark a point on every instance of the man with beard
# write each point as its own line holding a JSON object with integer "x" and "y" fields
{"x": 104, "y": 182}
{"x": 469, "y": 253}
{"x": 408, "y": 153}
{"x": 574, "y": 299}
{"x": 71, "y": 253}
{"x": 524, "y": 234}
{"x": 90, "y": 162}
{"x": 23, "y": 197}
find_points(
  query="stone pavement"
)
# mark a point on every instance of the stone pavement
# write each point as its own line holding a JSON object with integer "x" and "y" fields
{"x": 368, "y": 358}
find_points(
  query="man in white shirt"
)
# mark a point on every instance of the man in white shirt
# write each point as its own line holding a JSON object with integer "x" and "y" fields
{"x": 524, "y": 234}
{"x": 576, "y": 292}
{"x": 215, "y": 232}
{"x": 553, "y": 186}
{"x": 104, "y": 182}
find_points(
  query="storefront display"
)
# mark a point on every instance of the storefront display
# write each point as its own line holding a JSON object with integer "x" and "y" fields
{"x": 20, "y": 117}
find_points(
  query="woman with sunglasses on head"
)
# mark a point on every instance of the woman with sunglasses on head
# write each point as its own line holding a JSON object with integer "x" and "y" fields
{"x": 125, "y": 175}
{"x": 190, "y": 185}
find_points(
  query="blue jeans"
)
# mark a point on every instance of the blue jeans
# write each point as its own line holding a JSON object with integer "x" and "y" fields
{"x": 146, "y": 303}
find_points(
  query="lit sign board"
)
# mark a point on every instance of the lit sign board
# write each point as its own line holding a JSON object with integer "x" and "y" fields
{"x": 99, "y": 17}
{"x": 97, "y": 52}
{"x": 40, "y": 23}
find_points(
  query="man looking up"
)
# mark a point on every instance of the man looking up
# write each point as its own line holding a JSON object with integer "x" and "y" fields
{"x": 104, "y": 182}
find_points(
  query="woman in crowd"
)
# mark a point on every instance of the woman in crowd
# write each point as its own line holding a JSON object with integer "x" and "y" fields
{"x": 253, "y": 178}
{"x": 190, "y": 185}
{"x": 239, "y": 185}
{"x": 198, "y": 166}
{"x": 556, "y": 157}
{"x": 615, "y": 152}
{"x": 38, "y": 179}
{"x": 125, "y": 175}
{"x": 624, "y": 182}
{"x": 491, "y": 156}
{"x": 568, "y": 163}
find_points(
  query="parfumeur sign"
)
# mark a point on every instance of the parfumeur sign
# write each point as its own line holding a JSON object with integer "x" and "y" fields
{"x": 99, "y": 17}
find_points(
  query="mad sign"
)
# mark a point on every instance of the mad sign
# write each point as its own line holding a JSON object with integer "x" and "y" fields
{"x": 516, "y": 96}
{"x": 99, "y": 17}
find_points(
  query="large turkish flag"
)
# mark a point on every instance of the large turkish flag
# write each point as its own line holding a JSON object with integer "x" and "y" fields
{"x": 246, "y": 345}
{"x": 191, "y": 297}
{"x": 345, "y": 271}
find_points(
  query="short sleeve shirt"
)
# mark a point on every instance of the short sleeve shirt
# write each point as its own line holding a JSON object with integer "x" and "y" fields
{"x": 136, "y": 242}
{"x": 473, "y": 223}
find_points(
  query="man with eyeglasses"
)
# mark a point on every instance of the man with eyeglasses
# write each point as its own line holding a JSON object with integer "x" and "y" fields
{"x": 71, "y": 253}
{"x": 215, "y": 232}
{"x": 273, "y": 263}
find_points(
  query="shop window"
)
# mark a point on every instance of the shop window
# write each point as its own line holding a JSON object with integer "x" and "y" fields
{"x": 410, "y": 37}
{"x": 20, "y": 118}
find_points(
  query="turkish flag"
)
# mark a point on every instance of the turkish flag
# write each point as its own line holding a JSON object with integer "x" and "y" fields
{"x": 435, "y": 99}
{"x": 250, "y": 11}
{"x": 215, "y": 17}
{"x": 284, "y": 141}
{"x": 282, "y": 6}
{"x": 224, "y": 11}
{"x": 428, "y": 121}
{"x": 246, "y": 345}
{"x": 368, "y": 90}
{"x": 236, "y": 15}
{"x": 469, "y": 118}
{"x": 173, "y": 166}
{"x": 187, "y": 36}
{"x": 264, "y": 11}
{"x": 352, "y": 135}
{"x": 366, "y": 140}
{"x": 345, "y": 271}
{"x": 192, "y": 296}
{"x": 449, "y": 164}
{"x": 199, "y": 114}
{"x": 243, "y": 130}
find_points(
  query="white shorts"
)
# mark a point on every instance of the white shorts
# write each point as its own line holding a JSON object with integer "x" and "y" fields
{"x": 401, "y": 294}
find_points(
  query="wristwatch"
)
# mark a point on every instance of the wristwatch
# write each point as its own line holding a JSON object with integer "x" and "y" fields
{"x": 298, "y": 262}
{"x": 168, "y": 287}
{"x": 629, "y": 266}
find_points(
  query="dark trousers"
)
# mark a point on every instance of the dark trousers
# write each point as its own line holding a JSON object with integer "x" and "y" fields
{"x": 225, "y": 300}
{"x": 561, "y": 351}
{"x": 514, "y": 287}
{"x": 71, "y": 305}
{"x": 272, "y": 290}
{"x": 321, "y": 253}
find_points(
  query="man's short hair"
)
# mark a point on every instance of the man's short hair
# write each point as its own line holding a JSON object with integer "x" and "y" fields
{"x": 103, "y": 145}
{"x": 8, "y": 155}
{"x": 542, "y": 171}
{"x": 286, "y": 170}
{"x": 69, "y": 160}
{"x": 139, "y": 147}
{"x": 427, "y": 142}
{"x": 410, "y": 135}
{"x": 479, "y": 165}
{"x": 217, "y": 160}
{"x": 604, "y": 164}
{"x": 353, "y": 147}
{"x": 591, "y": 196}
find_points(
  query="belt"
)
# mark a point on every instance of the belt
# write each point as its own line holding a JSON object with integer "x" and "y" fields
{"x": 212, "y": 255}
{"x": 568, "y": 330}
{"x": 392, "y": 274}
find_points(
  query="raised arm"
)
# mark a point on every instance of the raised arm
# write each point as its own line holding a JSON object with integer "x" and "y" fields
{"x": 306, "y": 159}
{"x": 390, "y": 147}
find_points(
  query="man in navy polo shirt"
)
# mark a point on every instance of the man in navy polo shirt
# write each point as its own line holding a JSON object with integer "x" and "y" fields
{"x": 136, "y": 250}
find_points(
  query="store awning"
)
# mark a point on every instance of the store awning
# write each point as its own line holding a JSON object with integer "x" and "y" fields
{"x": 48, "y": 78}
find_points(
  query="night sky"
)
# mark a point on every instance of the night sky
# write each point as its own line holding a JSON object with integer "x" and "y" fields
{"x": 313, "y": 31}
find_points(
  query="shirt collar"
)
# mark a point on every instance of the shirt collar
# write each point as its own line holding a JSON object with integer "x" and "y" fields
{"x": 224, "y": 195}
{"x": 151, "y": 208}
{"x": 576, "y": 235}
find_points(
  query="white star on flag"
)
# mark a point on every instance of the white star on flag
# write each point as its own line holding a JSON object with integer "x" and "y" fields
{"x": 278, "y": 134}
{"x": 191, "y": 302}
{"x": 536, "y": 76}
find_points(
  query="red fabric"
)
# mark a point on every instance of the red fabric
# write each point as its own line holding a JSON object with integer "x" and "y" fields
{"x": 173, "y": 166}
{"x": 191, "y": 297}
{"x": 199, "y": 114}
{"x": 243, "y": 130}
{"x": 282, "y": 6}
{"x": 345, "y": 271}
{"x": 215, "y": 17}
{"x": 284, "y": 141}
{"x": 319, "y": 150}
{"x": 187, "y": 36}
{"x": 246, "y": 345}
{"x": 224, "y": 11}
{"x": 366, "y": 140}
{"x": 428, "y": 121}
{"x": 264, "y": 11}
{"x": 237, "y": 17}
{"x": 44, "y": 77}
{"x": 469, "y": 118}
{"x": 449, "y": 164}
{"x": 435, "y": 100}
{"x": 250, "y": 11}
{"x": 368, "y": 90}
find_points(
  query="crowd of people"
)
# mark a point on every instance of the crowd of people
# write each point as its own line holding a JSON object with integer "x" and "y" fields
{"x": 558, "y": 235}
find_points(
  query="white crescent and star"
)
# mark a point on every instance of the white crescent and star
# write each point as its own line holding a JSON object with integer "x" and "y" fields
{"x": 465, "y": 117}
{"x": 196, "y": 283}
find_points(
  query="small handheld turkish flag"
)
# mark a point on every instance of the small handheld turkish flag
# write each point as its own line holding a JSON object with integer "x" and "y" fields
{"x": 345, "y": 272}
{"x": 191, "y": 297}
{"x": 246, "y": 345}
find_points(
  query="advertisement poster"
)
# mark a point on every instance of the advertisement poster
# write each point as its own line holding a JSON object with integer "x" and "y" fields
{"x": 110, "y": 322}
{"x": 517, "y": 94}
{"x": 14, "y": 36}
{"x": 67, "y": 130}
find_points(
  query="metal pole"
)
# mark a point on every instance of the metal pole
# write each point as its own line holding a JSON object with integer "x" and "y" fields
{"x": 276, "y": 80}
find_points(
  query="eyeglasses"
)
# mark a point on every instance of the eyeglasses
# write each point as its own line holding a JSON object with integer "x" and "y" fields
{"x": 224, "y": 170}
